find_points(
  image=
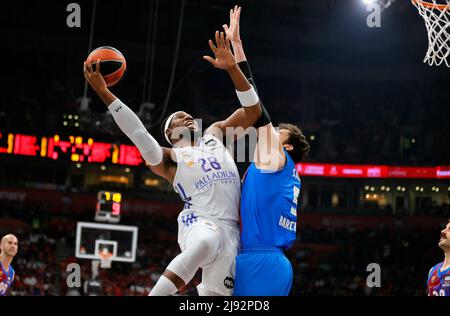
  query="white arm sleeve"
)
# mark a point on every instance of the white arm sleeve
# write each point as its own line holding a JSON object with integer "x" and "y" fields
{"x": 130, "y": 124}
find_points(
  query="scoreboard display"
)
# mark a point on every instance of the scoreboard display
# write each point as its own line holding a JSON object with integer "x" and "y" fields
{"x": 108, "y": 207}
{"x": 69, "y": 148}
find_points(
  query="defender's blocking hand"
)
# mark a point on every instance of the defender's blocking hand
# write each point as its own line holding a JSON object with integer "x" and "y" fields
{"x": 224, "y": 58}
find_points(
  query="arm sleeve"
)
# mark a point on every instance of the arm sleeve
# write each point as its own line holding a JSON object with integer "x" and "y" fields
{"x": 132, "y": 126}
{"x": 265, "y": 117}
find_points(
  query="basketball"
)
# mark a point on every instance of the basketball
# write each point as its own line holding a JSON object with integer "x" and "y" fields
{"x": 113, "y": 64}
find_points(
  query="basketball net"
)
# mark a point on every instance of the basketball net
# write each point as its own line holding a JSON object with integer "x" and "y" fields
{"x": 437, "y": 22}
{"x": 105, "y": 259}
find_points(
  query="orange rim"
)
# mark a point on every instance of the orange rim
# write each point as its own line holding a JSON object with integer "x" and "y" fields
{"x": 432, "y": 5}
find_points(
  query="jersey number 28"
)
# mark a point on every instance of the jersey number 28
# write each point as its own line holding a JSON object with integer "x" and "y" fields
{"x": 212, "y": 162}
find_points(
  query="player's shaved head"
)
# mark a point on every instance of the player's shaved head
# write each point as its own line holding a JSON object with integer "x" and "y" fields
{"x": 9, "y": 245}
{"x": 7, "y": 237}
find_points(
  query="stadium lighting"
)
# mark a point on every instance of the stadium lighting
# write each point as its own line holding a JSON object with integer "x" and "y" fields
{"x": 372, "y": 189}
{"x": 437, "y": 189}
{"x": 417, "y": 188}
{"x": 403, "y": 189}
{"x": 65, "y": 123}
{"x": 103, "y": 168}
{"x": 78, "y": 165}
{"x": 383, "y": 187}
{"x": 70, "y": 116}
{"x": 151, "y": 182}
{"x": 127, "y": 170}
{"x": 384, "y": 4}
{"x": 388, "y": 189}
{"x": 366, "y": 187}
{"x": 76, "y": 117}
{"x": 77, "y": 124}
{"x": 367, "y": 196}
{"x": 312, "y": 137}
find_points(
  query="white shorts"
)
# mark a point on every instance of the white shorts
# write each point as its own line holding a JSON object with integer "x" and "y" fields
{"x": 218, "y": 271}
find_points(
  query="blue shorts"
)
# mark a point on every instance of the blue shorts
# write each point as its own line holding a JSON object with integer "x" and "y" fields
{"x": 263, "y": 272}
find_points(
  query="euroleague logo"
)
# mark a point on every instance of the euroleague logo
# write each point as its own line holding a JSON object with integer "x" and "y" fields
{"x": 228, "y": 282}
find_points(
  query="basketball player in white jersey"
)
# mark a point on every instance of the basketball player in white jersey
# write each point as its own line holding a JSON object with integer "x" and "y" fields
{"x": 202, "y": 172}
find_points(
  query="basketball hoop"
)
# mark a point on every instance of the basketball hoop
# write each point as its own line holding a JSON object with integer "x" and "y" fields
{"x": 105, "y": 259}
{"x": 437, "y": 22}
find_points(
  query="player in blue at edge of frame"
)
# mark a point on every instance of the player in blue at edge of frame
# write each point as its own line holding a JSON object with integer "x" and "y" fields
{"x": 270, "y": 191}
{"x": 8, "y": 250}
{"x": 439, "y": 276}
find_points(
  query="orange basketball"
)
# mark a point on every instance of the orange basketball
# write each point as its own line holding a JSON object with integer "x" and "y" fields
{"x": 112, "y": 64}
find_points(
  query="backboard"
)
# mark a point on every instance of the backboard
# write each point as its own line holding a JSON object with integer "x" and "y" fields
{"x": 93, "y": 238}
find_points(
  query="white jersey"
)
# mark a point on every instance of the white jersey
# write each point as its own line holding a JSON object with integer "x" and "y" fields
{"x": 208, "y": 181}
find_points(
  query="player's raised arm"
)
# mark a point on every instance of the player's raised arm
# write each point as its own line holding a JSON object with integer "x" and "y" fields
{"x": 233, "y": 33}
{"x": 156, "y": 157}
{"x": 251, "y": 110}
{"x": 269, "y": 153}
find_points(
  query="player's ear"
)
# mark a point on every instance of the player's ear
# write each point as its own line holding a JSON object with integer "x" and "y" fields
{"x": 288, "y": 147}
{"x": 168, "y": 132}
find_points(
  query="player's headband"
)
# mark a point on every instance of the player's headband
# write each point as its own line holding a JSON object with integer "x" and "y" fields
{"x": 166, "y": 126}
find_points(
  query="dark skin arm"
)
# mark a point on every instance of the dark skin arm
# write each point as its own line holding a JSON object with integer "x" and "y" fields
{"x": 224, "y": 59}
{"x": 166, "y": 168}
{"x": 269, "y": 153}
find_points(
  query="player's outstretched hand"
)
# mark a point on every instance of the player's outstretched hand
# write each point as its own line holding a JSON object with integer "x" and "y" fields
{"x": 232, "y": 31}
{"x": 224, "y": 58}
{"x": 94, "y": 77}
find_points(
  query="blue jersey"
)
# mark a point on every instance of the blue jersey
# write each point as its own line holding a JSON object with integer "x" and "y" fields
{"x": 269, "y": 206}
{"x": 6, "y": 279}
{"x": 438, "y": 283}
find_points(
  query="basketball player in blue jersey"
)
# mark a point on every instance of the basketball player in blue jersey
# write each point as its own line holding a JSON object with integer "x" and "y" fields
{"x": 270, "y": 190}
{"x": 202, "y": 172}
{"x": 8, "y": 249}
{"x": 438, "y": 283}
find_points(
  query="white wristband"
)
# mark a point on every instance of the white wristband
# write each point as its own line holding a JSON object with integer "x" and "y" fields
{"x": 248, "y": 98}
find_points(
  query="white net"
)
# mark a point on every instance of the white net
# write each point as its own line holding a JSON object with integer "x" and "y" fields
{"x": 105, "y": 263}
{"x": 437, "y": 22}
